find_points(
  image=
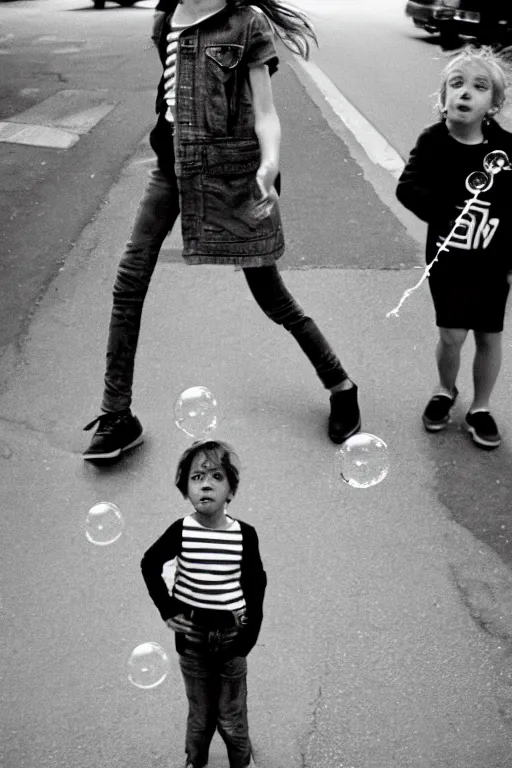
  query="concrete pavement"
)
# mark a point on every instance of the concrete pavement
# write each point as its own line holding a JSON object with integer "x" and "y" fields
{"x": 387, "y": 620}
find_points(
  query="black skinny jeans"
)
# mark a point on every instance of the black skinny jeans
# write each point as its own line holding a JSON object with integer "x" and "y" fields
{"x": 155, "y": 218}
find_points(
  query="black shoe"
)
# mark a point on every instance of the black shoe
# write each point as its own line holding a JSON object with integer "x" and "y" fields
{"x": 483, "y": 429}
{"x": 116, "y": 432}
{"x": 345, "y": 417}
{"x": 437, "y": 413}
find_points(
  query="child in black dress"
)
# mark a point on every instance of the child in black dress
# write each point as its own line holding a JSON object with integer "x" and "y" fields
{"x": 469, "y": 280}
{"x": 215, "y": 605}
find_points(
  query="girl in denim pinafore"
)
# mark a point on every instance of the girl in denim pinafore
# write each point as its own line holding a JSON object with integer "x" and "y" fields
{"x": 217, "y": 145}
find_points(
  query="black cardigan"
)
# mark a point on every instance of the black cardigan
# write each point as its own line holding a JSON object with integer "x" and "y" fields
{"x": 253, "y": 582}
{"x": 432, "y": 186}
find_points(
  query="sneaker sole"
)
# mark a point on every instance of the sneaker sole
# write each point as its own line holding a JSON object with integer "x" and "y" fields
{"x": 432, "y": 426}
{"x": 339, "y": 441}
{"x": 113, "y": 454}
{"x": 481, "y": 441}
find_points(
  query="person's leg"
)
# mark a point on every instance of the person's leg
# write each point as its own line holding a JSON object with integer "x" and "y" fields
{"x": 448, "y": 357}
{"x": 202, "y": 688}
{"x": 157, "y": 213}
{"x": 232, "y": 722}
{"x": 486, "y": 367}
{"x": 271, "y": 294}
{"x": 117, "y": 429}
{"x": 437, "y": 412}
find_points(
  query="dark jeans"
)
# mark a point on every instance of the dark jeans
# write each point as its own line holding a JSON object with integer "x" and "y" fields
{"x": 217, "y": 699}
{"x": 156, "y": 216}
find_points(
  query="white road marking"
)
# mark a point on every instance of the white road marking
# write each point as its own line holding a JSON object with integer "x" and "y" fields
{"x": 37, "y": 135}
{"x": 374, "y": 144}
{"x": 59, "y": 121}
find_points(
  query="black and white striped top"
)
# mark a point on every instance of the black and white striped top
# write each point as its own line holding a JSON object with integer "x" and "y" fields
{"x": 170, "y": 71}
{"x": 209, "y": 567}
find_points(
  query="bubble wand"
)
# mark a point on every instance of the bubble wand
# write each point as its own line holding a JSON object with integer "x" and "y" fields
{"x": 476, "y": 182}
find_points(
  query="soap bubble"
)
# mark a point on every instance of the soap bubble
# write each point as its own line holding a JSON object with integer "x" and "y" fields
{"x": 496, "y": 161}
{"x": 362, "y": 460}
{"x": 104, "y": 524}
{"x": 195, "y": 412}
{"x": 478, "y": 181}
{"x": 148, "y": 665}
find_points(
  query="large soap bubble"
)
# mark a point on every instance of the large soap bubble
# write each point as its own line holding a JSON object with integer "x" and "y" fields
{"x": 148, "y": 665}
{"x": 362, "y": 460}
{"x": 104, "y": 524}
{"x": 196, "y": 412}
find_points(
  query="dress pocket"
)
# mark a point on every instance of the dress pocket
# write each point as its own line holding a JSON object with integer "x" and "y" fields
{"x": 222, "y": 84}
{"x": 226, "y": 56}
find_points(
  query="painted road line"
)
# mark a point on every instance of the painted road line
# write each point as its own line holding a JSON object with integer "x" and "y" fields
{"x": 374, "y": 144}
{"x": 59, "y": 121}
{"x": 37, "y": 136}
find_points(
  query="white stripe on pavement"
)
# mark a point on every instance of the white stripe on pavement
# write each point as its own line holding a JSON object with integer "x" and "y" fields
{"x": 374, "y": 144}
{"x": 59, "y": 120}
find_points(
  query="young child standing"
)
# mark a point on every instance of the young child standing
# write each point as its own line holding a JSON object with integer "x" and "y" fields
{"x": 217, "y": 142}
{"x": 468, "y": 282}
{"x": 216, "y": 604}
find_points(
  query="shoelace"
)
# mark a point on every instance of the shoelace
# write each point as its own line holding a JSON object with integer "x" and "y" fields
{"x": 106, "y": 421}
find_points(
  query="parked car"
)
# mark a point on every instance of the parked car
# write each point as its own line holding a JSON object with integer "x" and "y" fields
{"x": 488, "y": 20}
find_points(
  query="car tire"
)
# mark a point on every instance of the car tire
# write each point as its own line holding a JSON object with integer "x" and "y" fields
{"x": 449, "y": 36}
{"x": 99, "y": 4}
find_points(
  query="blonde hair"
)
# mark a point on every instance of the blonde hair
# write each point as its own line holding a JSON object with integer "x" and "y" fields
{"x": 490, "y": 61}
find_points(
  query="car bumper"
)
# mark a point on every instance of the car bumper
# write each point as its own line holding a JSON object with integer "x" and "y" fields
{"x": 435, "y": 15}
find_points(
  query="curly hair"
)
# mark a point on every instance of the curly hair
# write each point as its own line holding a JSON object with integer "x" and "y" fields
{"x": 493, "y": 63}
{"x": 221, "y": 454}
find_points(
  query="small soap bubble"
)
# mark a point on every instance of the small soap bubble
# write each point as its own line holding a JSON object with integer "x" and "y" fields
{"x": 362, "y": 460}
{"x": 104, "y": 524}
{"x": 196, "y": 412}
{"x": 148, "y": 666}
{"x": 478, "y": 181}
{"x": 496, "y": 161}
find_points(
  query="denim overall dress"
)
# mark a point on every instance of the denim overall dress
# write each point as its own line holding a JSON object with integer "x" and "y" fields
{"x": 216, "y": 150}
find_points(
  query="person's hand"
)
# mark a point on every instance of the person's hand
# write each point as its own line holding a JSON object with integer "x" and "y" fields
{"x": 265, "y": 178}
{"x": 180, "y": 623}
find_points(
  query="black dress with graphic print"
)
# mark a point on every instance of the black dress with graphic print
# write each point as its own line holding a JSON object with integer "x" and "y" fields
{"x": 469, "y": 281}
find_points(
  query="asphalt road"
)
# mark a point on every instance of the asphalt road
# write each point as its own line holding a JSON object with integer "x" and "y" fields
{"x": 387, "y": 632}
{"x": 48, "y": 195}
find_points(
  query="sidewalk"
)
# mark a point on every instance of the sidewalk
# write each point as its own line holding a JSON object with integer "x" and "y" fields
{"x": 386, "y": 621}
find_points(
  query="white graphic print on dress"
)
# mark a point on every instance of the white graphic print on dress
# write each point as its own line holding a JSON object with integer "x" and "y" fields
{"x": 474, "y": 230}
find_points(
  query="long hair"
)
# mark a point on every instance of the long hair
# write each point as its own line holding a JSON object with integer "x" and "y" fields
{"x": 290, "y": 25}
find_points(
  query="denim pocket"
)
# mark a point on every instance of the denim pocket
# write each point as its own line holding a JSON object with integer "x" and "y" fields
{"x": 222, "y": 84}
{"x": 226, "y": 56}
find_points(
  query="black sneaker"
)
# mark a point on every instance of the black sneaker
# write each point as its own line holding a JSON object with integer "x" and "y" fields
{"x": 437, "y": 413}
{"x": 345, "y": 416}
{"x": 116, "y": 432}
{"x": 483, "y": 429}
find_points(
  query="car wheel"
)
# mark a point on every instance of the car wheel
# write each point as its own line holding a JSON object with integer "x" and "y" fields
{"x": 99, "y": 4}
{"x": 449, "y": 36}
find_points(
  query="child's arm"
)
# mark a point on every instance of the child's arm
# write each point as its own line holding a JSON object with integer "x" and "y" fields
{"x": 152, "y": 563}
{"x": 254, "y": 583}
{"x": 416, "y": 189}
{"x": 267, "y": 127}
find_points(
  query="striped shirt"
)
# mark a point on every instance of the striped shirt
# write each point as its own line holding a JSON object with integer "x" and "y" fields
{"x": 170, "y": 63}
{"x": 209, "y": 567}
{"x": 170, "y": 71}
